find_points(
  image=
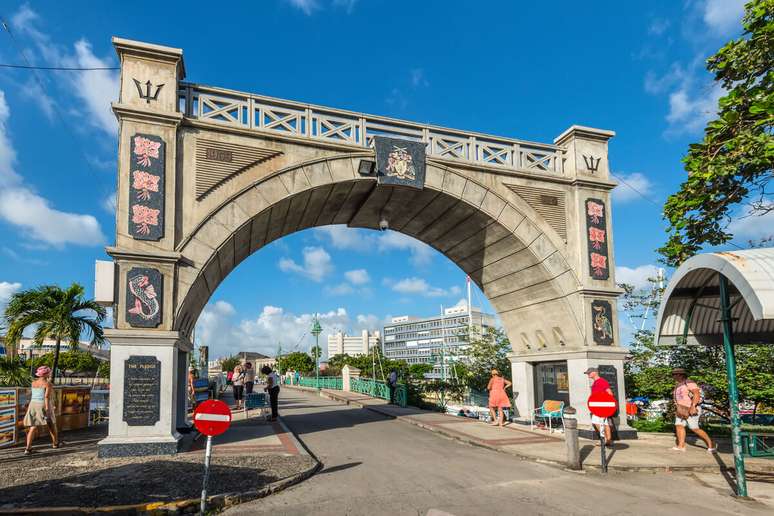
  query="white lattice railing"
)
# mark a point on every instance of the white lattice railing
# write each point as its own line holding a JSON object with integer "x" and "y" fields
{"x": 303, "y": 120}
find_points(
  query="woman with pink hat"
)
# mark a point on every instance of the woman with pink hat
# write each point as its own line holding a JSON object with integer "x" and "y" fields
{"x": 41, "y": 409}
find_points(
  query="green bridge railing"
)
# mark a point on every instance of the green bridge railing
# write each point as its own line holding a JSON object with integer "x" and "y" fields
{"x": 325, "y": 382}
{"x": 368, "y": 386}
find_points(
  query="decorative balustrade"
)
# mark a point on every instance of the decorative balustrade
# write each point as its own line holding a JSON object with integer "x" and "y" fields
{"x": 325, "y": 382}
{"x": 275, "y": 116}
{"x": 368, "y": 386}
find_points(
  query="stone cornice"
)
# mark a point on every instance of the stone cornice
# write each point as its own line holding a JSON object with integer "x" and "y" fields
{"x": 145, "y": 255}
{"x": 126, "y": 112}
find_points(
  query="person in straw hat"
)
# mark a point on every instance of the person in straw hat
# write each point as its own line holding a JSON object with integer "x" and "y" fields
{"x": 41, "y": 410}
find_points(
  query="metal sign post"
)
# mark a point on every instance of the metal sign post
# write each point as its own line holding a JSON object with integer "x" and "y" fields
{"x": 207, "y": 457}
{"x": 602, "y": 448}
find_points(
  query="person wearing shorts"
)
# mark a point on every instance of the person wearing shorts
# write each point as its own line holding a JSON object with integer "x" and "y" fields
{"x": 238, "y": 385}
{"x": 600, "y": 385}
{"x": 687, "y": 395}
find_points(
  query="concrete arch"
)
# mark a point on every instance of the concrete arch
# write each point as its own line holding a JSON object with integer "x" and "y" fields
{"x": 511, "y": 253}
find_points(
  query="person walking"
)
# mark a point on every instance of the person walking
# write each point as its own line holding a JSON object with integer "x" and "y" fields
{"x": 273, "y": 388}
{"x": 599, "y": 384}
{"x": 392, "y": 383}
{"x": 192, "y": 375}
{"x": 687, "y": 398}
{"x": 249, "y": 378}
{"x": 41, "y": 410}
{"x": 498, "y": 398}
{"x": 238, "y": 385}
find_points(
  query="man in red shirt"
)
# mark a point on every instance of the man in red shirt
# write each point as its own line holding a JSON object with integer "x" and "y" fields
{"x": 600, "y": 385}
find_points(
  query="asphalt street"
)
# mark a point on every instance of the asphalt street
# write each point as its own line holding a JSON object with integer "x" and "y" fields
{"x": 378, "y": 466}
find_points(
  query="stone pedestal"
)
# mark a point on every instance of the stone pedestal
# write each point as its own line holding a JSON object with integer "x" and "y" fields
{"x": 347, "y": 373}
{"x": 147, "y": 392}
{"x": 610, "y": 360}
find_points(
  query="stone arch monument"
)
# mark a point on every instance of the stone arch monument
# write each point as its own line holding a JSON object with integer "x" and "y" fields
{"x": 208, "y": 176}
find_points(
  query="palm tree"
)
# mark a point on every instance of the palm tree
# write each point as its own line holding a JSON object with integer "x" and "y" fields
{"x": 57, "y": 314}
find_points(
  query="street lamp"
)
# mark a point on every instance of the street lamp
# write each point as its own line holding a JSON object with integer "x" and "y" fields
{"x": 316, "y": 331}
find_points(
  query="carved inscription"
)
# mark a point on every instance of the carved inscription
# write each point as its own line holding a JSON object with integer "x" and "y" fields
{"x": 220, "y": 155}
{"x": 142, "y": 387}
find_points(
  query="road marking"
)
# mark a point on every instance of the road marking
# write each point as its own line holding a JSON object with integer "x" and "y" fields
{"x": 212, "y": 417}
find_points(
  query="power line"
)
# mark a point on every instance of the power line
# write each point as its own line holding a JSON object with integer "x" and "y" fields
{"x": 637, "y": 191}
{"x": 59, "y": 68}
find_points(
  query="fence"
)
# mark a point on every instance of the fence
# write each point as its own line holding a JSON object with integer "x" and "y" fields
{"x": 325, "y": 382}
{"x": 373, "y": 388}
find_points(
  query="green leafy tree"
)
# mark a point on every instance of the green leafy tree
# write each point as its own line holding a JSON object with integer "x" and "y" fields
{"x": 733, "y": 163}
{"x": 316, "y": 353}
{"x": 488, "y": 351}
{"x": 14, "y": 372}
{"x": 229, "y": 363}
{"x": 298, "y": 361}
{"x": 59, "y": 314}
{"x": 418, "y": 371}
{"x": 103, "y": 371}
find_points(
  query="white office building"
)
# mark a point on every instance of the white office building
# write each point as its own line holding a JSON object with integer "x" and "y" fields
{"x": 434, "y": 340}
{"x": 352, "y": 345}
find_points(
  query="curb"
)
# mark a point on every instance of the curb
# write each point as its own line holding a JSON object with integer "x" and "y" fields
{"x": 537, "y": 459}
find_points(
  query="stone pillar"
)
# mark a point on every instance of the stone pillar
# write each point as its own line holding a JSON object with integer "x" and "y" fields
{"x": 523, "y": 389}
{"x": 149, "y": 359}
{"x": 347, "y": 373}
{"x": 145, "y": 375}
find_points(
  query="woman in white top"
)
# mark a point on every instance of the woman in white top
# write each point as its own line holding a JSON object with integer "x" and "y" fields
{"x": 41, "y": 410}
{"x": 238, "y": 385}
{"x": 272, "y": 387}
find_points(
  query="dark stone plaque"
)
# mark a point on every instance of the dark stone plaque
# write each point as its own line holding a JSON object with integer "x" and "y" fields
{"x": 144, "y": 297}
{"x": 602, "y": 322}
{"x": 400, "y": 162}
{"x": 609, "y": 373}
{"x": 142, "y": 390}
{"x": 596, "y": 223}
{"x": 146, "y": 187}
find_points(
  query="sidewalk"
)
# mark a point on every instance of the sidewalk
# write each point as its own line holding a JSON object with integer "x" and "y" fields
{"x": 650, "y": 452}
{"x": 251, "y": 436}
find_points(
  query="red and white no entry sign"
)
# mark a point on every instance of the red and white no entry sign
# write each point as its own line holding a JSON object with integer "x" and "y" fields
{"x": 212, "y": 417}
{"x": 602, "y": 404}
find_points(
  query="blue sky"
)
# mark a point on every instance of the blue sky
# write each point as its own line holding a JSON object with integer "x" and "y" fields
{"x": 518, "y": 69}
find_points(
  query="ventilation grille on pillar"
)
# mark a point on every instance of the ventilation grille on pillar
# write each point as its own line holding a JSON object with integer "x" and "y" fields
{"x": 548, "y": 203}
{"x": 217, "y": 162}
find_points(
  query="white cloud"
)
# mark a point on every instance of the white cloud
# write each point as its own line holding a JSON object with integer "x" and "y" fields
{"x": 418, "y": 78}
{"x": 109, "y": 203}
{"x": 416, "y": 285}
{"x": 30, "y": 211}
{"x": 690, "y": 109}
{"x": 317, "y": 264}
{"x": 347, "y": 5}
{"x": 421, "y": 253}
{"x": 7, "y": 289}
{"x": 658, "y": 26}
{"x": 637, "y": 276}
{"x": 357, "y": 276}
{"x": 365, "y": 241}
{"x": 20, "y": 206}
{"x": 752, "y": 227}
{"x": 724, "y": 16}
{"x": 342, "y": 289}
{"x": 220, "y": 328}
{"x": 629, "y": 185}
{"x": 94, "y": 88}
{"x": 308, "y": 7}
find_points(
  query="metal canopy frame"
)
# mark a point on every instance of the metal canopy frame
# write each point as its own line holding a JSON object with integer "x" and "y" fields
{"x": 748, "y": 276}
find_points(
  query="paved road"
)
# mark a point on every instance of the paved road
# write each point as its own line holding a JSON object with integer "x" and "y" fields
{"x": 377, "y": 466}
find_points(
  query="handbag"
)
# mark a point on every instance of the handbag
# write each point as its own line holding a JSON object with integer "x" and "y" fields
{"x": 682, "y": 411}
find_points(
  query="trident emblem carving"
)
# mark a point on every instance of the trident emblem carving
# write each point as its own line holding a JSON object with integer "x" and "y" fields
{"x": 591, "y": 165}
{"x": 147, "y": 94}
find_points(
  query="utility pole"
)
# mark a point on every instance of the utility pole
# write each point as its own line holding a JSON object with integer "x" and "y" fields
{"x": 279, "y": 356}
{"x": 316, "y": 331}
